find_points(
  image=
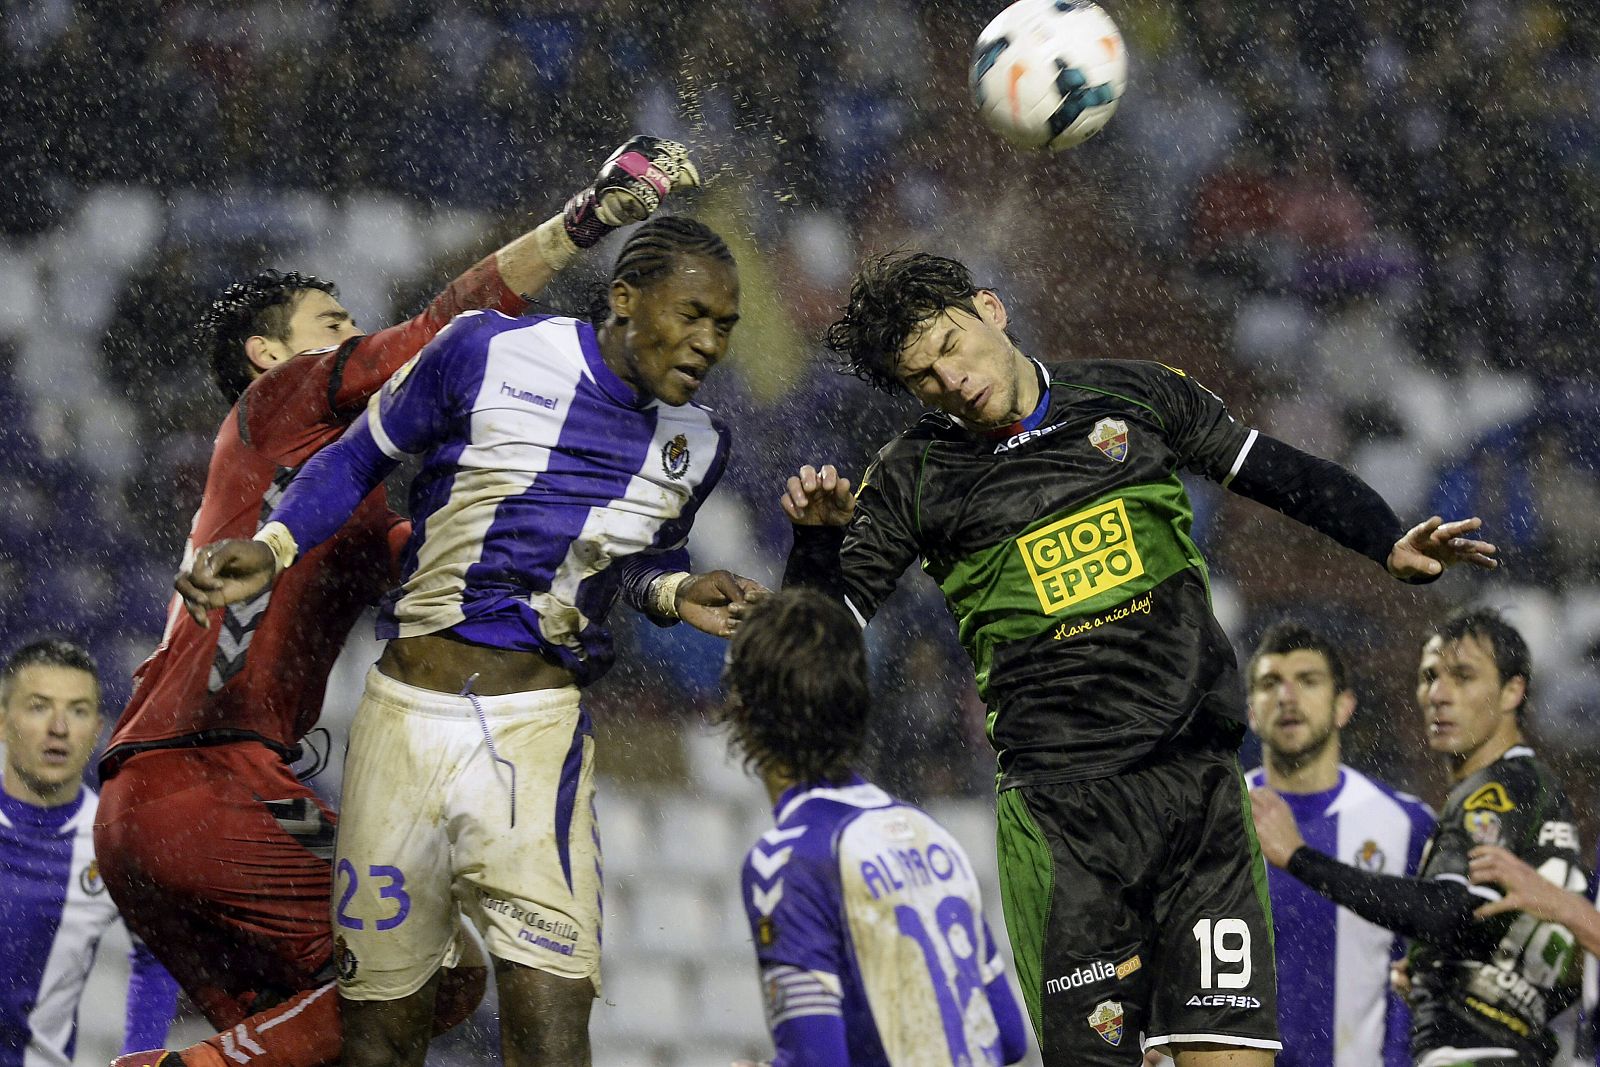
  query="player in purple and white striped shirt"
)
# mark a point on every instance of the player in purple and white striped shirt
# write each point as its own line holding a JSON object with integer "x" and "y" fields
{"x": 54, "y": 908}
{"x": 562, "y": 466}
{"x": 866, "y": 914}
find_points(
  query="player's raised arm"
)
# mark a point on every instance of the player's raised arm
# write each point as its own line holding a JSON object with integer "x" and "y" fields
{"x": 1438, "y": 912}
{"x": 631, "y": 186}
{"x": 405, "y": 419}
{"x": 851, "y": 544}
{"x": 1313, "y": 491}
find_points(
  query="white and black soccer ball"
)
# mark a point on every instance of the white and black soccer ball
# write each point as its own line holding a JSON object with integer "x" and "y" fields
{"x": 1049, "y": 73}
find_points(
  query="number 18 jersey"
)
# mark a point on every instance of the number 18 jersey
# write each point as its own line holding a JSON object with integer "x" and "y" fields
{"x": 864, "y": 907}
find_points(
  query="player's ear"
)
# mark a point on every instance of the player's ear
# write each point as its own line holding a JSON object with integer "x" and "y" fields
{"x": 990, "y": 308}
{"x": 261, "y": 353}
{"x": 1344, "y": 708}
{"x": 1513, "y": 692}
{"x": 624, "y": 299}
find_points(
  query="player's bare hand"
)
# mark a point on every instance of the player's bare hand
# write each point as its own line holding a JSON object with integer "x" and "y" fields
{"x": 1275, "y": 827}
{"x": 1400, "y": 978}
{"x": 716, "y": 601}
{"x": 1525, "y": 889}
{"x": 816, "y": 497}
{"x": 223, "y": 573}
{"x": 1429, "y": 548}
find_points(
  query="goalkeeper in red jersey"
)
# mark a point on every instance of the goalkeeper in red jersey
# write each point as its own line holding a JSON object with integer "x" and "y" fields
{"x": 217, "y": 855}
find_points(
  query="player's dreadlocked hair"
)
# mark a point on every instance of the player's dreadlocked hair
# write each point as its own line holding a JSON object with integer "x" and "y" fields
{"x": 1286, "y": 637}
{"x": 890, "y": 296}
{"x": 796, "y": 687}
{"x": 259, "y": 305}
{"x": 51, "y": 652}
{"x": 652, "y": 251}
{"x": 1511, "y": 656}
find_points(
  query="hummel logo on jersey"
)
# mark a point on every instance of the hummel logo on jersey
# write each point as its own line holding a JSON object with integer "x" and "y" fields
{"x": 1019, "y": 439}
{"x": 507, "y": 389}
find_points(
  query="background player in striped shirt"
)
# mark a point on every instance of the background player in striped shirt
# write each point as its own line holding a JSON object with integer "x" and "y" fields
{"x": 562, "y": 465}
{"x": 218, "y": 855}
{"x": 1483, "y": 991}
{"x": 1335, "y": 1008}
{"x": 865, "y": 912}
{"x": 54, "y": 908}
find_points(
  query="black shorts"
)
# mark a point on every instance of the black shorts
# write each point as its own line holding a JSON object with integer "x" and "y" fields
{"x": 1138, "y": 911}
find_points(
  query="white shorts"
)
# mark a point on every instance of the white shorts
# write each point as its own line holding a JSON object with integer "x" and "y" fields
{"x": 426, "y": 834}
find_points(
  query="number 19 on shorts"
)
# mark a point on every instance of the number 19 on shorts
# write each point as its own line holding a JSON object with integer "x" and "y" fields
{"x": 1224, "y": 953}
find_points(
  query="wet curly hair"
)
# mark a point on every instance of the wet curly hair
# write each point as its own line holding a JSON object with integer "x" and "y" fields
{"x": 796, "y": 694}
{"x": 890, "y": 296}
{"x": 260, "y": 305}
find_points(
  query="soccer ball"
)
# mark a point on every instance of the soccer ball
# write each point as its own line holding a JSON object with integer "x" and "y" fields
{"x": 1049, "y": 73}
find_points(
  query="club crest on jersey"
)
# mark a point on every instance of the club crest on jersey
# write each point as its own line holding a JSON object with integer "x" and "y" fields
{"x": 1369, "y": 857}
{"x": 89, "y": 879}
{"x": 1110, "y": 436}
{"x": 1106, "y": 1020}
{"x": 675, "y": 457}
{"x": 1483, "y": 827}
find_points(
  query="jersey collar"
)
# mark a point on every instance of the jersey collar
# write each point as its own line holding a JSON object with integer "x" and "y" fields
{"x": 855, "y": 791}
{"x": 21, "y": 813}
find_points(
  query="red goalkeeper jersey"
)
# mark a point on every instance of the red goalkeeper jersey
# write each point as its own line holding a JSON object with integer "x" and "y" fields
{"x": 260, "y": 670}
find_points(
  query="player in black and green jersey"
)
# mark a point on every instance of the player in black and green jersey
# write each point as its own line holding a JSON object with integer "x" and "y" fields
{"x": 1045, "y": 500}
{"x": 1483, "y": 990}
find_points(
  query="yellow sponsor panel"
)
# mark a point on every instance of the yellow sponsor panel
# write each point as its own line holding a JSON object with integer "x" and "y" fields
{"x": 1081, "y": 556}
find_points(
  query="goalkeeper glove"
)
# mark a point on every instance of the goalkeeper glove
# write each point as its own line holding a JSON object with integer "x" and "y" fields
{"x": 631, "y": 185}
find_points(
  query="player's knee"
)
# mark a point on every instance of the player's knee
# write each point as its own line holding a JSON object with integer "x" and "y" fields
{"x": 460, "y": 991}
{"x": 544, "y": 1019}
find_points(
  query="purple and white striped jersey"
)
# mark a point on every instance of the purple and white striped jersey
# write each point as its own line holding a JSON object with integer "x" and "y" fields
{"x": 546, "y": 481}
{"x": 54, "y": 909}
{"x": 1335, "y": 1008}
{"x": 865, "y": 910}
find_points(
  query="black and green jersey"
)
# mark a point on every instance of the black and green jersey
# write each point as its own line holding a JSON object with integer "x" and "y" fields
{"x": 1065, "y": 555}
{"x": 1527, "y": 973}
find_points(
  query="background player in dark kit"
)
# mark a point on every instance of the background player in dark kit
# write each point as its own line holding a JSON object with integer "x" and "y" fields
{"x": 1481, "y": 991}
{"x": 1044, "y": 500}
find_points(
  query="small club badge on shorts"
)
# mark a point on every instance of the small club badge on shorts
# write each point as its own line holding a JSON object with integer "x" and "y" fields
{"x": 344, "y": 961}
{"x": 1110, "y": 436}
{"x": 1106, "y": 1019}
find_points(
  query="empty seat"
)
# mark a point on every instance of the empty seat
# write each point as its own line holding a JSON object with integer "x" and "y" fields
{"x": 627, "y": 831}
{"x": 697, "y": 835}
{"x": 671, "y": 918}
{"x": 641, "y": 999}
{"x": 728, "y": 999}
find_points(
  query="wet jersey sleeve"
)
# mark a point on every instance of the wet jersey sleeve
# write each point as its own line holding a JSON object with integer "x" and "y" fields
{"x": 1198, "y": 428}
{"x": 421, "y": 403}
{"x": 287, "y": 413}
{"x": 861, "y": 564}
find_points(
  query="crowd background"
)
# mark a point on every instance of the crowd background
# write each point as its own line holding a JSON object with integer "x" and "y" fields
{"x": 1370, "y": 225}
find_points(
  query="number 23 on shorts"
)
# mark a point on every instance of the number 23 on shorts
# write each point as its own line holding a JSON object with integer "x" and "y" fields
{"x": 393, "y": 889}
